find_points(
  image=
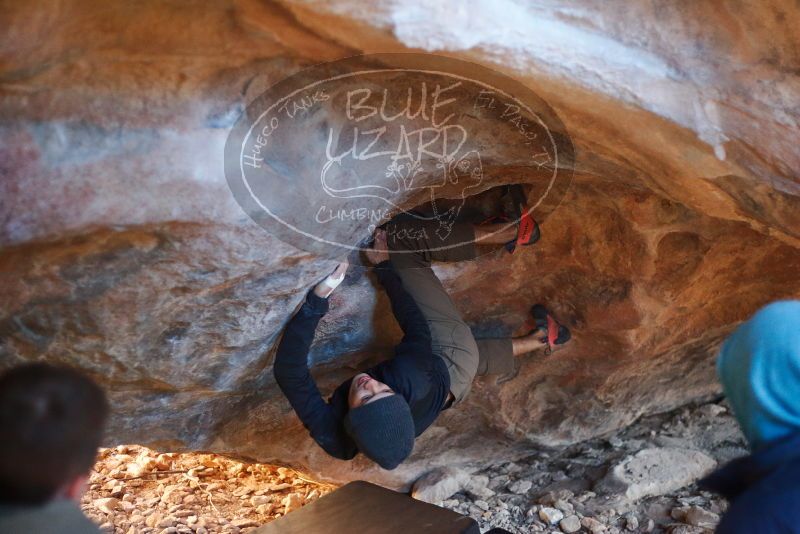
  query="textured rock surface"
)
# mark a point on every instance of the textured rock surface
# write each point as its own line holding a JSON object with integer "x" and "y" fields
{"x": 124, "y": 253}
{"x": 567, "y": 480}
{"x": 439, "y": 484}
{"x": 133, "y": 488}
{"x": 656, "y": 472}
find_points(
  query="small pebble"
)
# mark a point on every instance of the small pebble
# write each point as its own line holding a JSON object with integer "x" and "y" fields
{"x": 551, "y": 516}
{"x": 570, "y": 524}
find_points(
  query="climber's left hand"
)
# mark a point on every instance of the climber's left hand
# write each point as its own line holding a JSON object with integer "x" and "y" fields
{"x": 332, "y": 281}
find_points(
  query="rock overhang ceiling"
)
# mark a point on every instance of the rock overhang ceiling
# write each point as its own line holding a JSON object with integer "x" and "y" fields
{"x": 124, "y": 252}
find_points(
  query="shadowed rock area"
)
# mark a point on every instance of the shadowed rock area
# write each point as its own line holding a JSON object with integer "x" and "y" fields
{"x": 124, "y": 252}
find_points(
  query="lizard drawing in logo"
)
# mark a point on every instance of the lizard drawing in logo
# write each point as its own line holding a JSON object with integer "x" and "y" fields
{"x": 378, "y": 165}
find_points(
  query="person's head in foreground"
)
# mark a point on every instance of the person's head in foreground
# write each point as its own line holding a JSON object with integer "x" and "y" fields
{"x": 51, "y": 421}
{"x": 379, "y": 421}
{"x": 759, "y": 367}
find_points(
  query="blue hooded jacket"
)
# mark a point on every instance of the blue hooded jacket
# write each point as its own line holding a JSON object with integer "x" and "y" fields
{"x": 759, "y": 367}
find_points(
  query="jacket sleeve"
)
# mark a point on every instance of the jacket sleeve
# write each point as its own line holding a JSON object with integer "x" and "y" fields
{"x": 293, "y": 377}
{"x": 405, "y": 309}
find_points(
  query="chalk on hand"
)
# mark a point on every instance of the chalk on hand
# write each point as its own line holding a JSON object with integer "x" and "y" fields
{"x": 333, "y": 281}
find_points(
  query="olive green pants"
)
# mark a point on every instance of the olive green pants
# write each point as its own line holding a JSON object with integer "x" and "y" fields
{"x": 413, "y": 245}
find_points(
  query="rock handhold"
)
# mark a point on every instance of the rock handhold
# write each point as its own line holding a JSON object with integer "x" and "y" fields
{"x": 655, "y": 471}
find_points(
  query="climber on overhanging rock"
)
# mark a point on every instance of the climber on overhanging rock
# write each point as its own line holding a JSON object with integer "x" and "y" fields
{"x": 380, "y": 412}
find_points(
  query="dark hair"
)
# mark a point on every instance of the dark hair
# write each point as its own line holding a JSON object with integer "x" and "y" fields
{"x": 51, "y": 421}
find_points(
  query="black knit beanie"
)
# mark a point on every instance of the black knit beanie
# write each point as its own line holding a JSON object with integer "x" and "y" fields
{"x": 383, "y": 430}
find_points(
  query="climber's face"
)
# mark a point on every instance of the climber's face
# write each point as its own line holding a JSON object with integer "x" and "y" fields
{"x": 365, "y": 389}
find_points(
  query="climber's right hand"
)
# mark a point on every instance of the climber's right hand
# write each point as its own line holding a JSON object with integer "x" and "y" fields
{"x": 380, "y": 249}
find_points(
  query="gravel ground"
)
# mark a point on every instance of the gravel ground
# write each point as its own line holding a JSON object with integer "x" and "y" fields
{"x": 639, "y": 480}
{"x": 571, "y": 490}
{"x": 137, "y": 490}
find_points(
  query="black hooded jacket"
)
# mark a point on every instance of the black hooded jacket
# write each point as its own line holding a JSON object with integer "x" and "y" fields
{"x": 414, "y": 372}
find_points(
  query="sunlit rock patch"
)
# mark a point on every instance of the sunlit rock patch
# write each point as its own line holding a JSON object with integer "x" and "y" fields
{"x": 134, "y": 490}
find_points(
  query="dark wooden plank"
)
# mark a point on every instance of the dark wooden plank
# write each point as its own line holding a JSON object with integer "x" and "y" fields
{"x": 364, "y": 508}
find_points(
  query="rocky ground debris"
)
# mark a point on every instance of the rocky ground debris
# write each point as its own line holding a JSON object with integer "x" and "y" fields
{"x": 639, "y": 480}
{"x": 135, "y": 490}
{"x": 642, "y": 479}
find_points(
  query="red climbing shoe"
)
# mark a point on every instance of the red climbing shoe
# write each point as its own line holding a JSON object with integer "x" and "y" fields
{"x": 528, "y": 231}
{"x": 515, "y": 209}
{"x": 555, "y": 332}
